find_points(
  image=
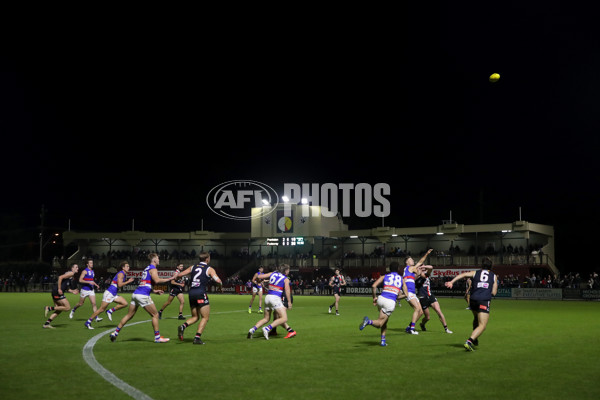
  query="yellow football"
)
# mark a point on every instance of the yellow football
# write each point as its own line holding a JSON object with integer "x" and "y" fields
{"x": 494, "y": 77}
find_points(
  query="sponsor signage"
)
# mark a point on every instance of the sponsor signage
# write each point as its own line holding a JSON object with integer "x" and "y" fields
{"x": 448, "y": 272}
{"x": 533, "y": 293}
{"x": 359, "y": 290}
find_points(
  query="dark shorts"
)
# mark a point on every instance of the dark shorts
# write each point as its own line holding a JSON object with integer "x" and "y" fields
{"x": 337, "y": 290}
{"x": 480, "y": 306}
{"x": 426, "y": 301}
{"x": 198, "y": 299}
{"x": 285, "y": 302}
{"x": 175, "y": 291}
{"x": 56, "y": 296}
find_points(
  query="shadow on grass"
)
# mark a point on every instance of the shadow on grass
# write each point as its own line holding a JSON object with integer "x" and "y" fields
{"x": 135, "y": 340}
{"x": 372, "y": 343}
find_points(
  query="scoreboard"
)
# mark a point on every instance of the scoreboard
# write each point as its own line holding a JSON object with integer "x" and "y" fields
{"x": 285, "y": 241}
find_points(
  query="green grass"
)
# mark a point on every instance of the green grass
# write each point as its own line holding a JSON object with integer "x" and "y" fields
{"x": 531, "y": 350}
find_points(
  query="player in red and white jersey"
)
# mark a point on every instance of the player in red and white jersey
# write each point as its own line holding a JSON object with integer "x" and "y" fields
{"x": 279, "y": 285}
{"x": 141, "y": 298}
{"x": 394, "y": 288}
{"x": 409, "y": 276}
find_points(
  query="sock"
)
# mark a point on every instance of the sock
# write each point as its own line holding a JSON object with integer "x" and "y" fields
{"x": 74, "y": 308}
{"x": 470, "y": 340}
{"x": 290, "y": 329}
{"x": 50, "y": 308}
{"x": 382, "y": 338}
{"x": 156, "y": 335}
{"x": 198, "y": 335}
{"x": 269, "y": 328}
{"x": 48, "y": 322}
{"x": 117, "y": 330}
{"x": 89, "y": 321}
{"x": 185, "y": 325}
{"x": 412, "y": 326}
{"x": 110, "y": 310}
{"x": 253, "y": 329}
{"x": 370, "y": 322}
{"x": 445, "y": 326}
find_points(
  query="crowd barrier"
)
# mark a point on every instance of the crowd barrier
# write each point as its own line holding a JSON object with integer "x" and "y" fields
{"x": 506, "y": 293}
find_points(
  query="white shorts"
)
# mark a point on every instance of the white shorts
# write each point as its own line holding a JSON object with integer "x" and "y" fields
{"x": 86, "y": 293}
{"x": 141, "y": 300}
{"x": 273, "y": 302}
{"x": 256, "y": 290}
{"x": 386, "y": 305}
{"x": 410, "y": 297}
{"x": 108, "y": 297}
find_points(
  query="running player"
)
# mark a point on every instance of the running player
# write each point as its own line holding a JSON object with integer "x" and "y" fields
{"x": 202, "y": 274}
{"x": 409, "y": 276}
{"x": 177, "y": 286}
{"x": 86, "y": 279}
{"x": 141, "y": 298}
{"x": 257, "y": 289}
{"x": 110, "y": 295}
{"x": 484, "y": 286}
{"x": 427, "y": 299}
{"x": 279, "y": 284}
{"x": 393, "y": 287}
{"x": 66, "y": 283}
{"x": 336, "y": 281}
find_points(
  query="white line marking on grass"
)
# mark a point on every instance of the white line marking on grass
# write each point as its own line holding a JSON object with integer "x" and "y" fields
{"x": 88, "y": 356}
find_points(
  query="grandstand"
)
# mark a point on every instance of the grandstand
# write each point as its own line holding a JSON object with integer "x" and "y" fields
{"x": 309, "y": 241}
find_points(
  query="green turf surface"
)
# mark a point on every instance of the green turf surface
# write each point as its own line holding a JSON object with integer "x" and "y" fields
{"x": 531, "y": 350}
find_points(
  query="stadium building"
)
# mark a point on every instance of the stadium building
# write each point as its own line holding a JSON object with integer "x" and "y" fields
{"x": 313, "y": 243}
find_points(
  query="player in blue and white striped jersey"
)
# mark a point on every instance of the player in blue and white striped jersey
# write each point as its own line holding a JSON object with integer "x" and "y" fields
{"x": 279, "y": 285}
{"x": 394, "y": 288}
{"x": 409, "y": 276}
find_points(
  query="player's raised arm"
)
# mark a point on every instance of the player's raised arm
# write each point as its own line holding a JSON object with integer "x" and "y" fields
{"x": 422, "y": 260}
{"x": 468, "y": 274}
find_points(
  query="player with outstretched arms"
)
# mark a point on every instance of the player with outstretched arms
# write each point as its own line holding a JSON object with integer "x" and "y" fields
{"x": 483, "y": 287}
{"x": 409, "y": 276}
{"x": 201, "y": 275}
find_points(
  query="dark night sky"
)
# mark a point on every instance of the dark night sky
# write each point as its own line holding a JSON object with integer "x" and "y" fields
{"x": 103, "y": 123}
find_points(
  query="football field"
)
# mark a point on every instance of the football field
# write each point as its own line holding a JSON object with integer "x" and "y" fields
{"x": 530, "y": 350}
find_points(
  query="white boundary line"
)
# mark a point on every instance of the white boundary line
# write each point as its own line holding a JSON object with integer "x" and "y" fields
{"x": 88, "y": 356}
